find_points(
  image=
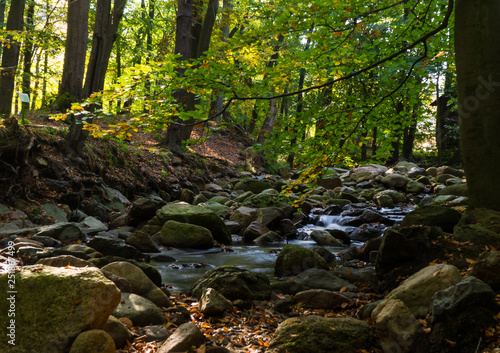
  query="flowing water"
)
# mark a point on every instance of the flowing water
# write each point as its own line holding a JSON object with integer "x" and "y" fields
{"x": 192, "y": 264}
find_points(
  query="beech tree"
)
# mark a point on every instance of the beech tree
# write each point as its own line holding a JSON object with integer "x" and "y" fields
{"x": 477, "y": 38}
{"x": 71, "y": 88}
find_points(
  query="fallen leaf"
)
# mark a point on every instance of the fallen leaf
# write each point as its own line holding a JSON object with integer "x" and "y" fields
{"x": 451, "y": 343}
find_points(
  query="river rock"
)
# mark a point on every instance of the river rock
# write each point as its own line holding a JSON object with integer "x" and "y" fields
{"x": 222, "y": 211}
{"x": 185, "y": 337}
{"x": 269, "y": 238}
{"x": 270, "y": 216}
{"x": 414, "y": 187}
{"x": 234, "y": 283}
{"x": 63, "y": 261}
{"x": 443, "y": 217}
{"x": 196, "y": 215}
{"x": 187, "y": 195}
{"x": 139, "y": 310}
{"x": 255, "y": 186}
{"x": 157, "y": 333}
{"x": 486, "y": 269}
{"x": 93, "y": 341}
{"x": 324, "y": 238}
{"x": 184, "y": 235}
{"x": 476, "y": 234}
{"x": 486, "y": 218}
{"x": 315, "y": 278}
{"x": 330, "y": 182}
{"x": 114, "y": 247}
{"x": 139, "y": 282}
{"x": 320, "y": 299}
{"x": 367, "y": 232}
{"x": 396, "y": 181}
{"x": 396, "y": 196}
{"x": 417, "y": 291}
{"x": 144, "y": 208}
{"x": 77, "y": 300}
{"x": 150, "y": 271}
{"x": 118, "y": 332}
{"x": 319, "y": 334}
{"x": 66, "y": 232}
{"x": 294, "y": 259}
{"x": 212, "y": 303}
{"x": 269, "y": 200}
{"x": 405, "y": 250}
{"x": 455, "y": 189}
{"x": 371, "y": 216}
{"x": 375, "y": 169}
{"x": 460, "y": 313}
{"x": 398, "y": 330}
{"x": 244, "y": 216}
{"x": 416, "y": 172}
{"x": 142, "y": 242}
{"x": 254, "y": 230}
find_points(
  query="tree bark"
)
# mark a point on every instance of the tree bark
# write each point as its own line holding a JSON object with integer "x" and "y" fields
{"x": 182, "y": 40}
{"x": 477, "y": 38}
{"x": 106, "y": 27}
{"x": 71, "y": 88}
{"x": 10, "y": 58}
{"x": 28, "y": 50}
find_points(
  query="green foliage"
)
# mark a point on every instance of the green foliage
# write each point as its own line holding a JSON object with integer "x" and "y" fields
{"x": 323, "y": 41}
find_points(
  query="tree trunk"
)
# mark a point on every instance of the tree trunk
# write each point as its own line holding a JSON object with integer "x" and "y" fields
{"x": 71, "y": 86}
{"x": 105, "y": 29}
{"x": 409, "y": 139}
{"x": 28, "y": 51}
{"x": 200, "y": 43}
{"x": 477, "y": 35}
{"x": 267, "y": 126}
{"x": 182, "y": 40}
{"x": 10, "y": 58}
{"x": 2, "y": 17}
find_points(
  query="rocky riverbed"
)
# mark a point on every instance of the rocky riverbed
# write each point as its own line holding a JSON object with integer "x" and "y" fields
{"x": 371, "y": 259}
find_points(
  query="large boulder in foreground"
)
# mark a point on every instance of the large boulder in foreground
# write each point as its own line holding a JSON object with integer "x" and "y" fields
{"x": 294, "y": 259}
{"x": 53, "y": 305}
{"x": 234, "y": 283}
{"x": 417, "y": 291}
{"x": 197, "y": 215}
{"x": 318, "y": 334}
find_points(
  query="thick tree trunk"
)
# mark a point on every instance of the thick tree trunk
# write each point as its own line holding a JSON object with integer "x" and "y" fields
{"x": 10, "y": 58}
{"x": 71, "y": 86}
{"x": 182, "y": 40}
{"x": 267, "y": 126}
{"x": 105, "y": 29}
{"x": 477, "y": 39}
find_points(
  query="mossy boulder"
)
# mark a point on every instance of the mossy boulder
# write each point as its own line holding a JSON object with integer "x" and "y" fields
{"x": 234, "y": 283}
{"x": 294, "y": 259}
{"x": 142, "y": 241}
{"x": 93, "y": 341}
{"x": 476, "y": 234}
{"x": 318, "y": 334}
{"x": 139, "y": 282}
{"x": 488, "y": 219}
{"x": 184, "y": 235}
{"x": 267, "y": 200}
{"x": 439, "y": 216}
{"x": 255, "y": 186}
{"x": 53, "y": 305}
{"x": 196, "y": 215}
{"x": 455, "y": 189}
